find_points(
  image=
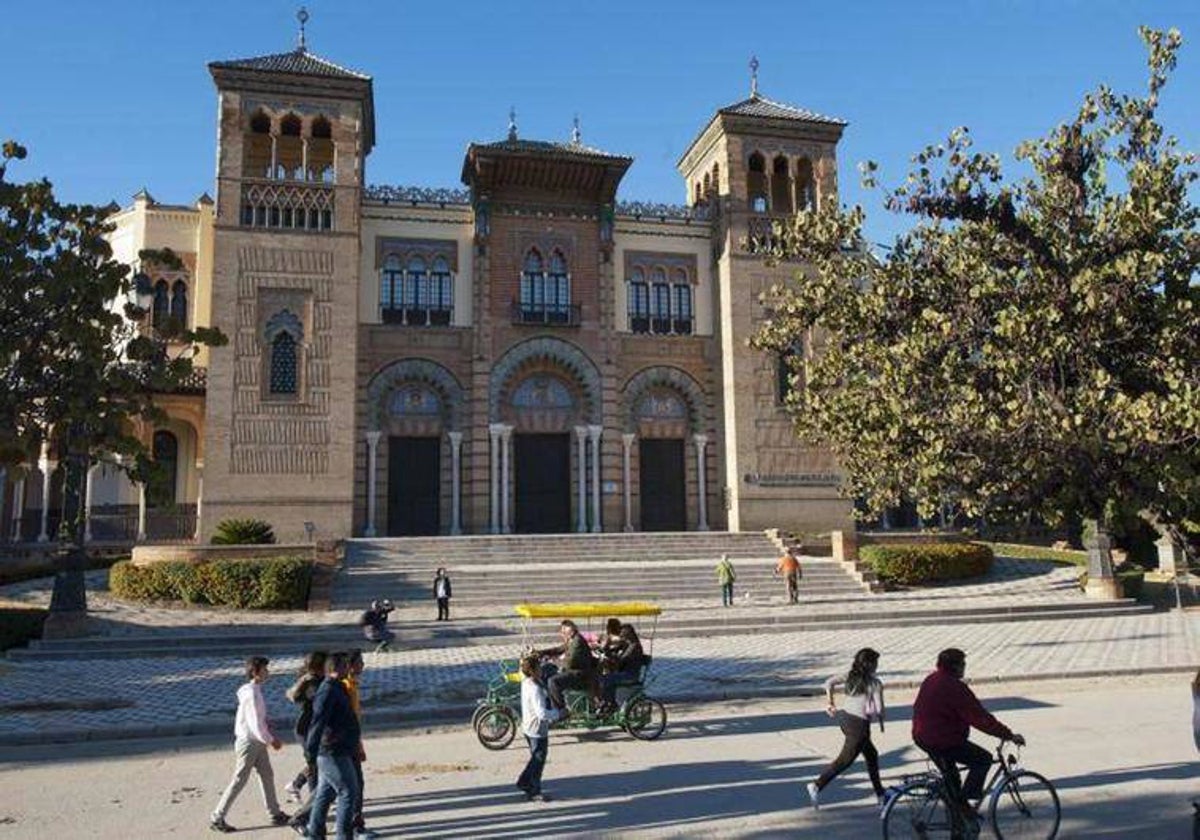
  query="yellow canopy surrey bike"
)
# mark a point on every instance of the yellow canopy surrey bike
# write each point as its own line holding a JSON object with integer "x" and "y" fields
{"x": 497, "y": 713}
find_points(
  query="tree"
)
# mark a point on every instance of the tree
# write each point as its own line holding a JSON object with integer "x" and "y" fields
{"x": 78, "y": 369}
{"x": 1029, "y": 345}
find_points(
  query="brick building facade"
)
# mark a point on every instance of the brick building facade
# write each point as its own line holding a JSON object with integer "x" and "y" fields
{"x": 527, "y": 353}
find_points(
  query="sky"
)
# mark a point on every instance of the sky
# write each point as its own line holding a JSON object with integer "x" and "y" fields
{"x": 110, "y": 97}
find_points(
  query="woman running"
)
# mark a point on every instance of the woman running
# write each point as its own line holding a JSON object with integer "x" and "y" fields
{"x": 862, "y": 702}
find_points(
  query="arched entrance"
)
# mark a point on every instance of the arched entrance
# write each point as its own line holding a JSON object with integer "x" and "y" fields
{"x": 545, "y": 436}
{"x": 416, "y": 405}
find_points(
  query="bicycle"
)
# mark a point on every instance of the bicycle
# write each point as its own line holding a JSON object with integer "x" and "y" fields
{"x": 1021, "y": 804}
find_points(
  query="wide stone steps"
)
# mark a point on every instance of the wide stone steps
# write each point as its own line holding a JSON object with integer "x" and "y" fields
{"x": 501, "y": 629}
{"x": 508, "y": 569}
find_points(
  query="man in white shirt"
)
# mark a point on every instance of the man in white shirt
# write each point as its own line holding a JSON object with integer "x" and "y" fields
{"x": 252, "y": 736}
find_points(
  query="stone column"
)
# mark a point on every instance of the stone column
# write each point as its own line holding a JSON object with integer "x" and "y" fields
{"x": 494, "y": 438}
{"x": 627, "y": 444}
{"x": 701, "y": 441}
{"x": 199, "y": 501}
{"x": 18, "y": 511}
{"x": 141, "y": 529}
{"x": 581, "y": 483}
{"x": 3, "y": 488}
{"x": 45, "y": 467}
{"x": 506, "y": 479}
{"x": 372, "y": 461}
{"x": 595, "y": 432}
{"x": 87, "y": 505}
{"x": 1170, "y": 558}
{"x": 455, "y": 482}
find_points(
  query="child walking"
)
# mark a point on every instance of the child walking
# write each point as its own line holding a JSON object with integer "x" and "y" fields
{"x": 536, "y": 717}
{"x": 726, "y": 576}
{"x": 862, "y": 703}
{"x": 252, "y": 737}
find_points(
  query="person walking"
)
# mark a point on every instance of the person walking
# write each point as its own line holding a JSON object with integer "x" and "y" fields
{"x": 442, "y": 593}
{"x": 862, "y": 702}
{"x": 789, "y": 567}
{"x": 726, "y": 576}
{"x": 352, "y": 683}
{"x": 252, "y": 737}
{"x": 334, "y": 737}
{"x": 536, "y": 717}
{"x": 943, "y": 714}
{"x": 302, "y": 692}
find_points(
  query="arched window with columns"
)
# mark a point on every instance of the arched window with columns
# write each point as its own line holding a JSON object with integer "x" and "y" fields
{"x": 284, "y": 336}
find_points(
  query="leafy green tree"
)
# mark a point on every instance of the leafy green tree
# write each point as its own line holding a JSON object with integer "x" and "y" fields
{"x": 1030, "y": 345}
{"x": 78, "y": 368}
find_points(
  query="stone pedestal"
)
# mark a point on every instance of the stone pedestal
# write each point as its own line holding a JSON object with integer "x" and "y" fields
{"x": 1102, "y": 582}
{"x": 65, "y": 625}
{"x": 845, "y": 546}
{"x": 1170, "y": 557}
{"x": 1106, "y": 589}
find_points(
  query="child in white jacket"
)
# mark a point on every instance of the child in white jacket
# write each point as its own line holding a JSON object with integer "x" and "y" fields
{"x": 252, "y": 736}
{"x": 536, "y": 717}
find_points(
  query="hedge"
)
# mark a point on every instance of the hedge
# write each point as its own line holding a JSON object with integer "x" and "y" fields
{"x": 274, "y": 583}
{"x": 927, "y": 562}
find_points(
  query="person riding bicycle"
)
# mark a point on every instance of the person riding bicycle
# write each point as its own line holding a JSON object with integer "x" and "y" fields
{"x": 943, "y": 714}
{"x": 577, "y": 666}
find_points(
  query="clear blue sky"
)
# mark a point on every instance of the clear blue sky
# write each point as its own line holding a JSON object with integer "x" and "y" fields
{"x": 112, "y": 96}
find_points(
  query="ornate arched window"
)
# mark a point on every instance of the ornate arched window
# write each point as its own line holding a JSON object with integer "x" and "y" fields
{"x": 179, "y": 302}
{"x": 806, "y": 188}
{"x": 441, "y": 292}
{"x": 558, "y": 290}
{"x": 283, "y": 335}
{"x": 532, "y": 294}
{"x": 165, "y": 450}
{"x": 256, "y": 152}
{"x": 681, "y": 302}
{"x": 756, "y": 183}
{"x": 320, "y": 151}
{"x": 391, "y": 282}
{"x": 639, "y": 301}
{"x": 162, "y": 303}
{"x": 289, "y": 149}
{"x": 781, "y": 197}
{"x": 660, "y": 302}
{"x": 416, "y": 291}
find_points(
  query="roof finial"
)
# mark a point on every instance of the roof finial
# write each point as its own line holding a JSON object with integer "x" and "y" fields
{"x": 302, "y": 16}
{"x": 754, "y": 77}
{"x": 512, "y": 123}
{"x": 576, "y": 134}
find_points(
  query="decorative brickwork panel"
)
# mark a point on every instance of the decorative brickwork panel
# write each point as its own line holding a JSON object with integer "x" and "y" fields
{"x": 282, "y": 434}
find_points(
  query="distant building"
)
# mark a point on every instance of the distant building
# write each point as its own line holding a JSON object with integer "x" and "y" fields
{"x": 526, "y": 354}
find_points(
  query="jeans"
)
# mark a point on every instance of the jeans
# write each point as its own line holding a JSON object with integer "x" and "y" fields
{"x": 727, "y": 594}
{"x": 249, "y": 756}
{"x": 443, "y": 609}
{"x": 335, "y": 777}
{"x": 530, "y": 779}
{"x": 977, "y": 761}
{"x": 793, "y": 588}
{"x": 858, "y": 740}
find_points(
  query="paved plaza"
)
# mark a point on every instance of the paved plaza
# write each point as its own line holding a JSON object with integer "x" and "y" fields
{"x": 79, "y": 698}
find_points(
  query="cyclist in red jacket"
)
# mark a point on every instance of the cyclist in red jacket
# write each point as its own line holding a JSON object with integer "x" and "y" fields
{"x": 943, "y": 714}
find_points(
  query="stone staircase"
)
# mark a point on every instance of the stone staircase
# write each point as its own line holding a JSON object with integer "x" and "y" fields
{"x": 506, "y": 570}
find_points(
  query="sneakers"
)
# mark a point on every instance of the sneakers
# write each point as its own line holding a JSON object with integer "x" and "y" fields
{"x": 293, "y": 791}
{"x": 280, "y": 818}
{"x": 536, "y": 797}
{"x": 299, "y": 828}
{"x": 364, "y": 834}
{"x": 219, "y": 824}
{"x": 814, "y": 794}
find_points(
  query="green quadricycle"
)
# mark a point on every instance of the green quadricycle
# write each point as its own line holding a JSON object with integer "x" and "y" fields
{"x": 497, "y": 715}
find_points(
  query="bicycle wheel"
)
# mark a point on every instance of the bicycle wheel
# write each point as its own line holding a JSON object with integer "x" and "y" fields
{"x": 645, "y": 718}
{"x": 1025, "y": 807}
{"x": 496, "y": 727}
{"x": 917, "y": 812}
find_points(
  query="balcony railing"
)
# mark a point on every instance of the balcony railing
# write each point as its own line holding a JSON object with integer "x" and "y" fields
{"x": 287, "y": 206}
{"x": 549, "y": 314}
{"x": 762, "y": 235}
{"x": 417, "y": 316}
{"x": 114, "y": 523}
{"x": 647, "y": 325}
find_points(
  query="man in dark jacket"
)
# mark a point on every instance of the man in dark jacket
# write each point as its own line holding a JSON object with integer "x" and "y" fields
{"x": 943, "y": 714}
{"x": 577, "y": 668}
{"x": 333, "y": 737}
{"x": 442, "y": 593}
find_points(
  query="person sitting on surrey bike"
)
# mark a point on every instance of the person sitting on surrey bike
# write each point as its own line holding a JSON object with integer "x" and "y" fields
{"x": 943, "y": 714}
{"x": 624, "y": 661}
{"x": 577, "y": 666}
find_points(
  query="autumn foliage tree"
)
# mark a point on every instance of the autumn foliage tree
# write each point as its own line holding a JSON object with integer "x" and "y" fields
{"x": 77, "y": 370}
{"x": 1030, "y": 345}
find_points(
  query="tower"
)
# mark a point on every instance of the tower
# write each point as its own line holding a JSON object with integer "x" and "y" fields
{"x": 757, "y": 161}
{"x": 294, "y": 131}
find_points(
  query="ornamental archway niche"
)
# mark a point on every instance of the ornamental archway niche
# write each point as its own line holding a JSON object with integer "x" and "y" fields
{"x": 663, "y": 402}
{"x": 544, "y": 382}
{"x": 414, "y": 396}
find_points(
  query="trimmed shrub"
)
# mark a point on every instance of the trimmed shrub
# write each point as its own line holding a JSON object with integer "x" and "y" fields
{"x": 274, "y": 583}
{"x": 243, "y": 532}
{"x": 1131, "y": 576}
{"x": 927, "y": 562}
